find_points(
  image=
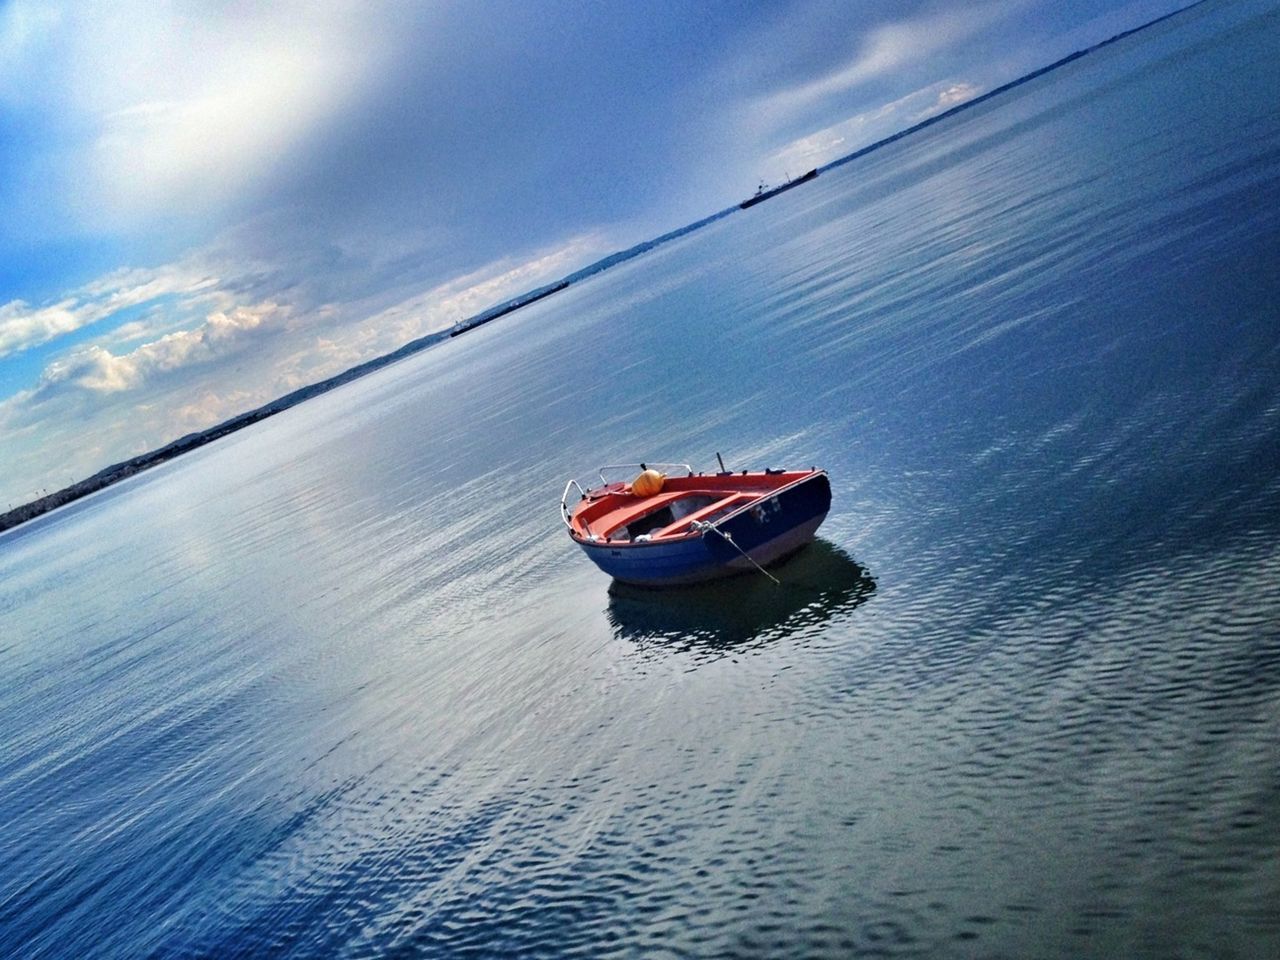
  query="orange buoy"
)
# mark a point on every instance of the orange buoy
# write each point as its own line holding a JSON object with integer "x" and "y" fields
{"x": 648, "y": 483}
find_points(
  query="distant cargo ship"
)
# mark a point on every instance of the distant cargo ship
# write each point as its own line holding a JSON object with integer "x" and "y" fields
{"x": 763, "y": 194}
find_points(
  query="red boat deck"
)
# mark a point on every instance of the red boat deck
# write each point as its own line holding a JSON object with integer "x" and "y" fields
{"x": 607, "y": 512}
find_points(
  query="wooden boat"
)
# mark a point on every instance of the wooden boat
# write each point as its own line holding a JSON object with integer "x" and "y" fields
{"x": 665, "y": 529}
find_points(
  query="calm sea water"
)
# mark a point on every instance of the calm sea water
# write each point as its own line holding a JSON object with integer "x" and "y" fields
{"x": 340, "y": 685}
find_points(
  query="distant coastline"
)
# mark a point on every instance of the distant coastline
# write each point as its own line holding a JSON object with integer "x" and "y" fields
{"x": 192, "y": 441}
{"x": 1003, "y": 88}
{"x": 128, "y": 468}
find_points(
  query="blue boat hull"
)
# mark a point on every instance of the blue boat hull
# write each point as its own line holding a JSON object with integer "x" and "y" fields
{"x": 778, "y": 525}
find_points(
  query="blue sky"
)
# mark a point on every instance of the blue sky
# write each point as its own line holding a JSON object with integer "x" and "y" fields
{"x": 207, "y": 204}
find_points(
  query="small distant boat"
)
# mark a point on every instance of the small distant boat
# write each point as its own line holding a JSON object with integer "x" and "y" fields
{"x": 664, "y": 529}
{"x": 764, "y": 193}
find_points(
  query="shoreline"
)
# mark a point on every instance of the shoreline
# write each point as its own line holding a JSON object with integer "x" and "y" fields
{"x": 127, "y": 468}
{"x": 124, "y": 469}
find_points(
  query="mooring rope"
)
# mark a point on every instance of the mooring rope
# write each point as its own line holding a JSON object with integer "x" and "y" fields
{"x": 703, "y": 526}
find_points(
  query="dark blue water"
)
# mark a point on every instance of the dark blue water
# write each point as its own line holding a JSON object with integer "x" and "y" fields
{"x": 340, "y": 685}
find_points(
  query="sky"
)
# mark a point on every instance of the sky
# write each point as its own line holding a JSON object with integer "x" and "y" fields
{"x": 208, "y": 204}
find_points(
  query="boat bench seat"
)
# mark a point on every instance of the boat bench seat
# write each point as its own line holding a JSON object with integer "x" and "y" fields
{"x": 609, "y": 520}
{"x": 685, "y": 522}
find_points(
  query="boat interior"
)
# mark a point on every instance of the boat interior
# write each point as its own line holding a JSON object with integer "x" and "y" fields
{"x": 614, "y": 514}
{"x": 674, "y": 517}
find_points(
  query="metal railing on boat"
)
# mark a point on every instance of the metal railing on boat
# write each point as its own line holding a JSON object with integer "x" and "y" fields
{"x": 641, "y": 466}
{"x": 630, "y": 467}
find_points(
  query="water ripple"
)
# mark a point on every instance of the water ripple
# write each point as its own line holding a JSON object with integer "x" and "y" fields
{"x": 340, "y": 686}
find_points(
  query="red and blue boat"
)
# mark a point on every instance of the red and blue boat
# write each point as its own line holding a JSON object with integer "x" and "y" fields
{"x": 680, "y": 527}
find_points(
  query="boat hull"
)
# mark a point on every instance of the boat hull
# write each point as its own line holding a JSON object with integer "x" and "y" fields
{"x": 766, "y": 531}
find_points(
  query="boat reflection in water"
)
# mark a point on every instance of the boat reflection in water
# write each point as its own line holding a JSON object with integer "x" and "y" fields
{"x": 729, "y": 616}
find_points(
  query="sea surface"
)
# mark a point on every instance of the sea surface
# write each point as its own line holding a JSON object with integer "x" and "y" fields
{"x": 340, "y": 685}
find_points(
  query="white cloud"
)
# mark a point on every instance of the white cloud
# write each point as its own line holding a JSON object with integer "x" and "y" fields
{"x": 97, "y": 370}
{"x": 134, "y": 330}
{"x": 169, "y": 111}
{"x": 207, "y": 407}
{"x": 956, "y": 94}
{"x": 862, "y": 129}
{"x": 347, "y": 340}
{"x": 883, "y": 50}
{"x": 132, "y": 286}
{"x": 92, "y": 369}
{"x": 467, "y": 295}
{"x": 235, "y": 358}
{"x": 23, "y": 326}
